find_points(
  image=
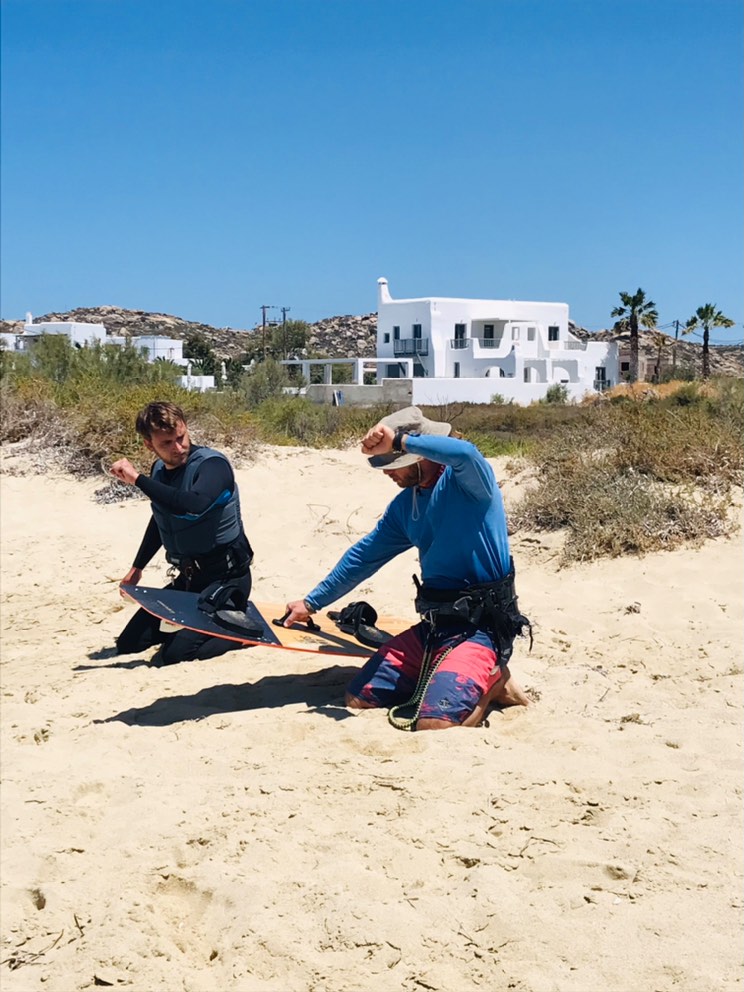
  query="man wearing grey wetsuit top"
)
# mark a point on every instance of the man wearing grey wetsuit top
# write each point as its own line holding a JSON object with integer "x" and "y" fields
{"x": 196, "y": 518}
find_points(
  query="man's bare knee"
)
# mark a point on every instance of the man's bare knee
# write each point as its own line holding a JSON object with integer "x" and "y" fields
{"x": 430, "y": 724}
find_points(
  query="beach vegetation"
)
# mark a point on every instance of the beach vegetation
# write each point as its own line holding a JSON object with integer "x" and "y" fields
{"x": 262, "y": 382}
{"x": 640, "y": 468}
{"x": 557, "y": 393}
{"x": 198, "y": 350}
{"x": 637, "y": 477}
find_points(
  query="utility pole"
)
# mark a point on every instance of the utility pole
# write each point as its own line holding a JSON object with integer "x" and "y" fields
{"x": 285, "y": 311}
{"x": 264, "y": 308}
{"x": 674, "y": 352}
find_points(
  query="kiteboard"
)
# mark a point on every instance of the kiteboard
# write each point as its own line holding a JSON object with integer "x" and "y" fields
{"x": 260, "y": 625}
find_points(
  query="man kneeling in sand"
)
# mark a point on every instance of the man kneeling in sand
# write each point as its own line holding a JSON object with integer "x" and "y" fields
{"x": 452, "y": 511}
{"x": 196, "y": 518}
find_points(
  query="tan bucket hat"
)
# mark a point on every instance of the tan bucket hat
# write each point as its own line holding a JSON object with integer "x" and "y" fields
{"x": 412, "y": 421}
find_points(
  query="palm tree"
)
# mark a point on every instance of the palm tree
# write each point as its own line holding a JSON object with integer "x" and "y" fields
{"x": 660, "y": 342}
{"x": 636, "y": 310}
{"x": 706, "y": 317}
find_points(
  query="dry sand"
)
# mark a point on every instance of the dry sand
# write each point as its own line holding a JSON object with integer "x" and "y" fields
{"x": 228, "y": 825}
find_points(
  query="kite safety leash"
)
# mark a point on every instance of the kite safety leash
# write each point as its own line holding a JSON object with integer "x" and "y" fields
{"x": 426, "y": 674}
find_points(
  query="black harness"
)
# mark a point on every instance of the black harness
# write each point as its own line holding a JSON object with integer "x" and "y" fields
{"x": 489, "y": 606}
{"x": 233, "y": 560}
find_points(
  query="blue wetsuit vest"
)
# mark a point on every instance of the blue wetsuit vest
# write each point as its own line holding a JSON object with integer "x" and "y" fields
{"x": 192, "y": 535}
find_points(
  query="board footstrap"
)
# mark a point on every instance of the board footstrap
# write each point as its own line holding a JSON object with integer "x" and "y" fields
{"x": 359, "y": 619}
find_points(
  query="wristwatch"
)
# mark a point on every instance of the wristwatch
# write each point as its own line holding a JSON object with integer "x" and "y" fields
{"x": 398, "y": 438}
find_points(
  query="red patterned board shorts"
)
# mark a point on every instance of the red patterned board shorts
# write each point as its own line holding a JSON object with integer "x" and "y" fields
{"x": 390, "y": 676}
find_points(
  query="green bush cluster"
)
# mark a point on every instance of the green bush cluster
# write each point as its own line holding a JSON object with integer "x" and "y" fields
{"x": 621, "y": 476}
{"x": 80, "y": 404}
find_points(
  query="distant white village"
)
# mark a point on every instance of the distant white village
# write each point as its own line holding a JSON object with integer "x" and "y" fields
{"x": 82, "y": 334}
{"x": 430, "y": 351}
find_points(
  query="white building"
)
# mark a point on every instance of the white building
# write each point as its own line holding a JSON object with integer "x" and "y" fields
{"x": 470, "y": 350}
{"x": 435, "y": 350}
{"x": 153, "y": 346}
{"x": 196, "y": 383}
{"x": 77, "y": 332}
{"x": 11, "y": 341}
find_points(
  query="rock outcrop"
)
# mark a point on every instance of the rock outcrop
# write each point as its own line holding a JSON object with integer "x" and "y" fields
{"x": 334, "y": 337}
{"x": 725, "y": 359}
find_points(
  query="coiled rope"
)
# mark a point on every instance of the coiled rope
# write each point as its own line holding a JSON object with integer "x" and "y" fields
{"x": 426, "y": 674}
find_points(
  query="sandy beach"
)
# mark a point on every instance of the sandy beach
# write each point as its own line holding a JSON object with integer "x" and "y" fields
{"x": 229, "y": 825}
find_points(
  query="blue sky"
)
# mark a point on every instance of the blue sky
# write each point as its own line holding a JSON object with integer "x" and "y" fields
{"x": 205, "y": 158}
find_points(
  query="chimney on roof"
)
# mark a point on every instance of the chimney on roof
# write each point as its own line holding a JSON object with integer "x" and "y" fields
{"x": 383, "y": 296}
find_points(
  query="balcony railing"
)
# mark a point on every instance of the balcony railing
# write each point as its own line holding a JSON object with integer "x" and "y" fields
{"x": 488, "y": 342}
{"x": 410, "y": 346}
{"x": 601, "y": 385}
{"x": 459, "y": 344}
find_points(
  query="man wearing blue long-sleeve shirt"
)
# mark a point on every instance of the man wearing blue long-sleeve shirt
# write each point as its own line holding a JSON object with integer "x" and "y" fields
{"x": 451, "y": 509}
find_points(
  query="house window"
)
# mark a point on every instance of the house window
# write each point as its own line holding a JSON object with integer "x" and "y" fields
{"x": 417, "y": 330}
{"x": 526, "y": 375}
{"x": 386, "y": 338}
{"x": 515, "y": 334}
{"x": 488, "y": 332}
{"x": 456, "y": 371}
{"x": 625, "y": 366}
{"x": 396, "y": 333}
{"x": 553, "y": 333}
{"x": 459, "y": 332}
{"x": 418, "y": 371}
{"x": 530, "y": 333}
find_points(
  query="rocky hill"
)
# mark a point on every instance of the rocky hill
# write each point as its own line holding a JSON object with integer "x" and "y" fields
{"x": 727, "y": 360}
{"x": 353, "y": 336}
{"x": 334, "y": 337}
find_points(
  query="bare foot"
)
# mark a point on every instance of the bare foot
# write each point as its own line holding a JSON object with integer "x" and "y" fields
{"x": 508, "y": 692}
{"x": 505, "y": 692}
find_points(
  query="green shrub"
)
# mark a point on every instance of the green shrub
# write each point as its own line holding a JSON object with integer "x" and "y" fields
{"x": 296, "y": 420}
{"x": 556, "y": 393}
{"x": 263, "y": 382}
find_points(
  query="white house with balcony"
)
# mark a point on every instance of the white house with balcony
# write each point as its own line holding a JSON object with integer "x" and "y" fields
{"x": 434, "y": 350}
{"x": 470, "y": 350}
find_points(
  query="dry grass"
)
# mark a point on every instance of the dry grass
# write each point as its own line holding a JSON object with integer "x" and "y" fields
{"x": 638, "y": 477}
{"x": 645, "y": 468}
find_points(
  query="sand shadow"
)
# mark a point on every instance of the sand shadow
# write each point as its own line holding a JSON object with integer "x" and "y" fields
{"x": 136, "y": 663}
{"x": 321, "y": 691}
